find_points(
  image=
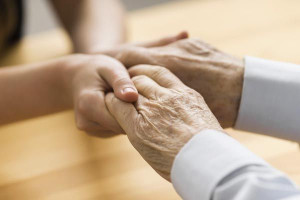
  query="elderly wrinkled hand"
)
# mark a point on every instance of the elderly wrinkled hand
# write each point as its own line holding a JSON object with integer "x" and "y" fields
{"x": 165, "y": 117}
{"x": 214, "y": 74}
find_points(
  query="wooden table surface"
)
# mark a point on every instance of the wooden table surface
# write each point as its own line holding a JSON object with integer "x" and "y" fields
{"x": 47, "y": 158}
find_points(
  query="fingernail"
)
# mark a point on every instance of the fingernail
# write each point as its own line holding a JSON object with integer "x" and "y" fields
{"x": 128, "y": 89}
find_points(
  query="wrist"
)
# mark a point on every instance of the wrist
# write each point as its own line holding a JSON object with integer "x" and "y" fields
{"x": 239, "y": 80}
{"x": 69, "y": 66}
{"x": 226, "y": 104}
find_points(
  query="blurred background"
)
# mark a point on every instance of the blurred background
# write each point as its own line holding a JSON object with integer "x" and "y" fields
{"x": 48, "y": 158}
{"x": 39, "y": 16}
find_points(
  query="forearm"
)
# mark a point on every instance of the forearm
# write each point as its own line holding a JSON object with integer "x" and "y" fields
{"x": 214, "y": 166}
{"x": 256, "y": 182}
{"x": 32, "y": 90}
{"x": 93, "y": 25}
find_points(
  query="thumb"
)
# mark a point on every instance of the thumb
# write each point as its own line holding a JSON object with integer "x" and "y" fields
{"x": 118, "y": 78}
{"x": 124, "y": 113}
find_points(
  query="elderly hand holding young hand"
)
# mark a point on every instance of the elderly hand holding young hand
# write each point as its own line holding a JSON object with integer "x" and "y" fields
{"x": 94, "y": 75}
{"x": 214, "y": 74}
{"x": 97, "y": 77}
{"x": 165, "y": 117}
{"x": 88, "y": 78}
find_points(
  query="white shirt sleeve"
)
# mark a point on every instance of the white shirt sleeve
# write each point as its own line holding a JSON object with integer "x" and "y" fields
{"x": 214, "y": 166}
{"x": 270, "y": 101}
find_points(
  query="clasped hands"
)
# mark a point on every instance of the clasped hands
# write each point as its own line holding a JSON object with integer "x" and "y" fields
{"x": 196, "y": 83}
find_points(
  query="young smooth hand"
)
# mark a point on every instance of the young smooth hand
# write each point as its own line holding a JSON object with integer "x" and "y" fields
{"x": 214, "y": 74}
{"x": 88, "y": 78}
{"x": 75, "y": 81}
{"x": 165, "y": 117}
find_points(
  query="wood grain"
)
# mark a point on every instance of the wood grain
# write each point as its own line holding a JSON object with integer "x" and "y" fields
{"x": 47, "y": 158}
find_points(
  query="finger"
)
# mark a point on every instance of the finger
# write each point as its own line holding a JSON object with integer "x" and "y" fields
{"x": 136, "y": 55}
{"x": 140, "y": 54}
{"x": 93, "y": 113}
{"x": 125, "y": 113}
{"x": 160, "y": 75}
{"x": 139, "y": 104}
{"x": 164, "y": 41}
{"x": 147, "y": 87}
{"x": 117, "y": 76}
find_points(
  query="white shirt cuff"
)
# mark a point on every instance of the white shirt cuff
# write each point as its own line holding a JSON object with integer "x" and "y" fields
{"x": 270, "y": 99}
{"x": 205, "y": 160}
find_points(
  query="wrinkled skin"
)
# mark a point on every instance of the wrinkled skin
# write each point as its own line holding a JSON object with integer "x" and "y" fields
{"x": 214, "y": 74}
{"x": 91, "y": 76}
{"x": 165, "y": 117}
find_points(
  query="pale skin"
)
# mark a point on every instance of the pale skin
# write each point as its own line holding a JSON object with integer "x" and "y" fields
{"x": 165, "y": 117}
{"x": 77, "y": 81}
{"x": 214, "y": 74}
{"x": 74, "y": 81}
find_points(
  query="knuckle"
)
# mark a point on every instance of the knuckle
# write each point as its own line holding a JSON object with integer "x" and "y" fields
{"x": 194, "y": 94}
{"x": 122, "y": 56}
{"x": 141, "y": 66}
{"x": 126, "y": 54}
{"x": 139, "y": 78}
{"x": 160, "y": 71}
{"x": 121, "y": 81}
{"x": 163, "y": 69}
{"x": 190, "y": 43}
